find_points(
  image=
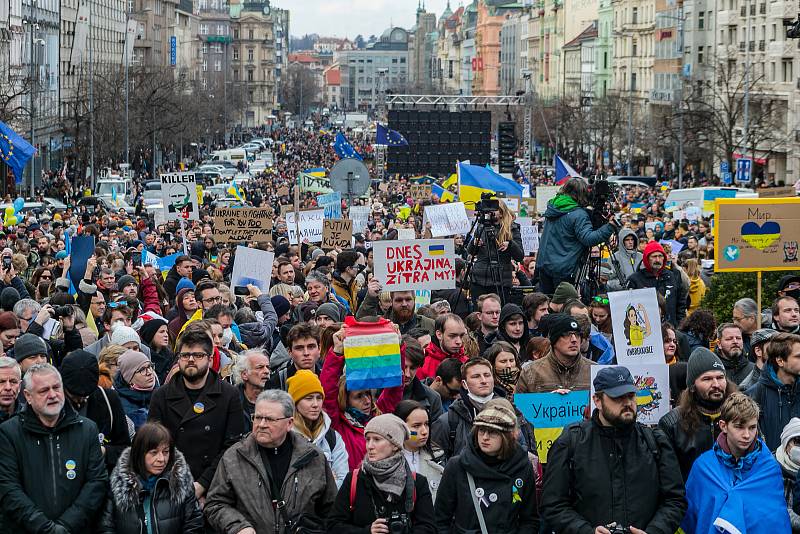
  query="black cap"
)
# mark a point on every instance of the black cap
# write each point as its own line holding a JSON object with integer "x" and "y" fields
{"x": 614, "y": 382}
{"x": 559, "y": 324}
{"x": 786, "y": 280}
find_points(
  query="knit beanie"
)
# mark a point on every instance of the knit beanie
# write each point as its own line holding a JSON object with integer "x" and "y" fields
{"x": 28, "y": 345}
{"x": 129, "y": 362}
{"x": 184, "y": 283}
{"x": 791, "y": 430}
{"x": 559, "y": 324}
{"x": 702, "y": 361}
{"x": 125, "y": 281}
{"x": 80, "y": 372}
{"x": 149, "y": 329}
{"x": 329, "y": 309}
{"x": 497, "y": 414}
{"x": 564, "y": 292}
{"x": 122, "y": 334}
{"x": 302, "y": 384}
{"x": 281, "y": 305}
{"x": 8, "y": 297}
{"x": 389, "y": 427}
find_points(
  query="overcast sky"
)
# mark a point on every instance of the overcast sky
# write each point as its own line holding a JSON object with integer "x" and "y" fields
{"x": 348, "y": 18}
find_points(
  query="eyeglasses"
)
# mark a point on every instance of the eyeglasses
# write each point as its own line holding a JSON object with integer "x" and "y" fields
{"x": 212, "y": 300}
{"x": 147, "y": 368}
{"x": 46, "y": 277}
{"x": 258, "y": 419}
{"x": 101, "y": 303}
{"x": 192, "y": 355}
{"x": 600, "y": 300}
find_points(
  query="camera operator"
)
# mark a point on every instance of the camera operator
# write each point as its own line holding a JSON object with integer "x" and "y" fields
{"x": 568, "y": 233}
{"x": 71, "y": 336}
{"x": 498, "y": 221}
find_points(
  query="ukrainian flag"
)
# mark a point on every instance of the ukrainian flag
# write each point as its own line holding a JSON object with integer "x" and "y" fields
{"x": 237, "y": 192}
{"x": 443, "y": 194}
{"x": 318, "y": 172}
{"x": 436, "y": 250}
{"x": 450, "y": 181}
{"x": 474, "y": 180}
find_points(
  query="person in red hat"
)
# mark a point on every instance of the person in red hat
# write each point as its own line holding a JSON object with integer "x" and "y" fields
{"x": 654, "y": 273}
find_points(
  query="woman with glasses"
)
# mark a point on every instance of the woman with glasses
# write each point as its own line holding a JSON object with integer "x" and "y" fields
{"x": 677, "y": 369}
{"x": 135, "y": 382}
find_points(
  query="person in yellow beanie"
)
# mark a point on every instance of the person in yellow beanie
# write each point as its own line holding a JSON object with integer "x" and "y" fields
{"x": 312, "y": 422}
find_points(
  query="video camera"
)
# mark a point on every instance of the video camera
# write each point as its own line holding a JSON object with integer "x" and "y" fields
{"x": 601, "y": 195}
{"x": 486, "y": 207}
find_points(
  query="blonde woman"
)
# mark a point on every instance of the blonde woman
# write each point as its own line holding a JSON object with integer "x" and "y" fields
{"x": 697, "y": 288}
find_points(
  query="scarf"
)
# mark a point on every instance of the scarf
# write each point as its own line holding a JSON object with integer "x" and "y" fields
{"x": 389, "y": 474}
{"x": 357, "y": 415}
{"x": 786, "y": 462}
{"x": 309, "y": 429}
{"x": 507, "y": 379}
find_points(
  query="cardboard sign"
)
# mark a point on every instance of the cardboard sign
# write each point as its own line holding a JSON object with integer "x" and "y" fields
{"x": 179, "y": 195}
{"x": 310, "y": 226}
{"x": 243, "y": 224}
{"x": 360, "y": 217}
{"x": 421, "y": 191}
{"x": 530, "y": 238}
{"x": 549, "y": 413}
{"x": 252, "y": 266}
{"x": 777, "y": 192}
{"x": 544, "y": 194}
{"x": 332, "y": 203}
{"x": 636, "y": 323}
{"x": 336, "y": 233}
{"x": 652, "y": 397}
{"x": 756, "y": 234}
{"x": 413, "y": 265}
{"x": 283, "y": 191}
{"x": 446, "y": 219}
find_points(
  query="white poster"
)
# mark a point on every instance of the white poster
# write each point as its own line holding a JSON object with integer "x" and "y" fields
{"x": 652, "y": 383}
{"x": 80, "y": 35}
{"x": 544, "y": 194}
{"x": 252, "y": 266}
{"x": 512, "y": 204}
{"x": 179, "y": 195}
{"x": 360, "y": 217}
{"x": 415, "y": 265}
{"x": 524, "y": 221}
{"x": 530, "y": 238}
{"x": 637, "y": 326}
{"x": 446, "y": 219}
{"x": 311, "y": 222}
{"x": 406, "y": 233}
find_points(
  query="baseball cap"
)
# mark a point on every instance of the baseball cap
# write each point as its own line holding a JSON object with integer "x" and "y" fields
{"x": 614, "y": 382}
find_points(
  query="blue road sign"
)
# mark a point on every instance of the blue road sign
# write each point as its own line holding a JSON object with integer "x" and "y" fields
{"x": 173, "y": 50}
{"x": 724, "y": 167}
{"x": 744, "y": 169}
{"x": 727, "y": 178}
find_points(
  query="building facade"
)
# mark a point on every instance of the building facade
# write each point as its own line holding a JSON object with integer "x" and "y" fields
{"x": 384, "y": 62}
{"x": 420, "y": 52}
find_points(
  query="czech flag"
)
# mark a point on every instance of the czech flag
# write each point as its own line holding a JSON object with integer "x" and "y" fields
{"x": 563, "y": 171}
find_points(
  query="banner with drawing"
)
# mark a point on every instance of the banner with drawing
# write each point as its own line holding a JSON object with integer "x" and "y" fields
{"x": 652, "y": 383}
{"x": 549, "y": 413}
{"x": 413, "y": 265}
{"x": 636, "y": 323}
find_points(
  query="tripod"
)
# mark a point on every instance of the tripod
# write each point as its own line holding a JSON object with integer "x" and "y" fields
{"x": 487, "y": 234}
{"x": 589, "y": 270}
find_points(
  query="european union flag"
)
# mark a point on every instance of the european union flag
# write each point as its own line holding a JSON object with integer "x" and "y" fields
{"x": 344, "y": 149}
{"x": 14, "y": 150}
{"x": 385, "y": 136}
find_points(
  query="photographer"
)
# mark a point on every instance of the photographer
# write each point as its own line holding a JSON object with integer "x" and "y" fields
{"x": 59, "y": 347}
{"x": 498, "y": 222}
{"x": 568, "y": 233}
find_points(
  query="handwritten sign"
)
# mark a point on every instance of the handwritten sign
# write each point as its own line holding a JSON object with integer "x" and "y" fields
{"x": 243, "y": 224}
{"x": 413, "y": 265}
{"x": 252, "y": 266}
{"x": 336, "y": 233}
{"x": 652, "y": 384}
{"x": 406, "y": 233}
{"x": 636, "y": 322}
{"x": 421, "y": 191}
{"x": 447, "y": 219}
{"x": 332, "y": 203}
{"x": 310, "y": 223}
{"x": 549, "y": 413}
{"x": 544, "y": 194}
{"x": 530, "y": 238}
{"x": 360, "y": 217}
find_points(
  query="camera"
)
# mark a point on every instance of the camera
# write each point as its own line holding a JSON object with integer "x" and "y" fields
{"x": 397, "y": 522}
{"x": 489, "y": 203}
{"x": 601, "y": 194}
{"x": 62, "y": 311}
{"x": 618, "y": 529}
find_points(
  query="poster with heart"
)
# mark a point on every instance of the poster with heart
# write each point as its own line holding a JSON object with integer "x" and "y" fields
{"x": 757, "y": 234}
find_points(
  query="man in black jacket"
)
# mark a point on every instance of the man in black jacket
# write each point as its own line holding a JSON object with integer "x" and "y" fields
{"x": 668, "y": 283}
{"x": 52, "y": 477}
{"x": 202, "y": 412}
{"x": 627, "y": 473}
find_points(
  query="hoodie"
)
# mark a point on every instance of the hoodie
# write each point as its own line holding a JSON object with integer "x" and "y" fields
{"x": 506, "y": 313}
{"x": 629, "y": 260}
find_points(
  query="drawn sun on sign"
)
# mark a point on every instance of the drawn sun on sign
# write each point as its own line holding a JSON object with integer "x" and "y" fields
{"x": 648, "y": 396}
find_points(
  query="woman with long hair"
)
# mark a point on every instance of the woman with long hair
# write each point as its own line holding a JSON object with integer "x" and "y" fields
{"x": 423, "y": 456}
{"x": 677, "y": 368}
{"x": 314, "y": 424}
{"x": 700, "y": 328}
{"x": 42, "y": 275}
{"x": 505, "y": 365}
{"x": 508, "y": 243}
{"x": 383, "y": 495}
{"x": 636, "y": 325}
{"x": 155, "y": 334}
{"x": 697, "y": 288}
{"x": 152, "y": 489}
{"x": 494, "y": 470}
{"x": 600, "y": 313}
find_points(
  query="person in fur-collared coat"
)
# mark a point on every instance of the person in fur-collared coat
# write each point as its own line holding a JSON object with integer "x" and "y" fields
{"x": 152, "y": 483}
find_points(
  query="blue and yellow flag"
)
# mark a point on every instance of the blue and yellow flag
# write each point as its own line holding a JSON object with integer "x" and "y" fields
{"x": 475, "y": 180}
{"x": 450, "y": 181}
{"x": 318, "y": 172}
{"x": 237, "y": 192}
{"x": 443, "y": 194}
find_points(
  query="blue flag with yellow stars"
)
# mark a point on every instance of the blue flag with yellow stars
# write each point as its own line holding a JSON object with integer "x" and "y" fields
{"x": 385, "y": 136}
{"x": 14, "y": 150}
{"x": 344, "y": 149}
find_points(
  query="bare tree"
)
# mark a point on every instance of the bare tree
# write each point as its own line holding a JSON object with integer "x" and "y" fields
{"x": 299, "y": 89}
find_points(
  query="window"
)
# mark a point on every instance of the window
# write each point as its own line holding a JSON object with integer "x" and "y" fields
{"x": 250, "y": 53}
{"x": 786, "y": 67}
{"x": 249, "y": 75}
{"x": 235, "y": 75}
{"x": 250, "y": 34}
{"x": 236, "y": 54}
{"x": 699, "y": 54}
{"x": 633, "y": 81}
{"x": 635, "y": 47}
{"x": 218, "y": 65}
{"x": 204, "y": 29}
{"x": 220, "y": 29}
{"x": 236, "y": 33}
{"x": 205, "y": 65}
{"x": 635, "y": 15}
{"x": 701, "y": 21}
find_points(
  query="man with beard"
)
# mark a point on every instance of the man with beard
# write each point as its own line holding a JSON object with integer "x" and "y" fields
{"x": 402, "y": 312}
{"x": 627, "y": 472}
{"x": 730, "y": 349}
{"x": 202, "y": 412}
{"x": 777, "y": 392}
{"x": 786, "y": 315}
{"x": 251, "y": 374}
{"x": 447, "y": 343}
{"x": 692, "y": 426}
{"x": 654, "y": 273}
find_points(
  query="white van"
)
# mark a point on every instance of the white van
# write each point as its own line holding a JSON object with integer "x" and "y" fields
{"x": 234, "y": 155}
{"x": 703, "y": 197}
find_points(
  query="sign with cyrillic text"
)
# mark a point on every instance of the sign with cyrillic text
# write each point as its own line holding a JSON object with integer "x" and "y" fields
{"x": 636, "y": 322}
{"x": 310, "y": 226}
{"x": 243, "y": 224}
{"x": 549, "y": 413}
{"x": 413, "y": 265}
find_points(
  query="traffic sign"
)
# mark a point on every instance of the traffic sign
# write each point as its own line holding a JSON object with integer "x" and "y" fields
{"x": 744, "y": 169}
{"x": 727, "y": 178}
{"x": 724, "y": 167}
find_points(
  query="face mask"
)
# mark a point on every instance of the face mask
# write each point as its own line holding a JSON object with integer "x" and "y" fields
{"x": 227, "y": 336}
{"x": 794, "y": 454}
{"x": 794, "y": 293}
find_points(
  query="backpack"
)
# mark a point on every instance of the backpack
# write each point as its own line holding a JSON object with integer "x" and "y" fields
{"x": 354, "y": 485}
{"x": 647, "y": 434}
{"x": 330, "y": 437}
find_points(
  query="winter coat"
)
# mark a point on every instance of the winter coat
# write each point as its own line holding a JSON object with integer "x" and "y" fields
{"x": 597, "y": 475}
{"x": 789, "y": 481}
{"x": 104, "y": 408}
{"x": 689, "y": 446}
{"x": 567, "y": 236}
{"x": 371, "y": 308}
{"x": 434, "y": 355}
{"x": 259, "y": 334}
{"x": 202, "y": 437}
{"x": 427, "y": 397}
{"x": 352, "y": 431}
{"x": 182, "y": 317}
{"x": 429, "y": 464}
{"x": 629, "y": 260}
{"x": 668, "y": 284}
{"x": 173, "y": 507}
{"x": 778, "y": 402}
{"x": 737, "y": 370}
{"x": 697, "y": 289}
{"x": 163, "y": 361}
{"x": 36, "y": 487}
{"x": 241, "y": 494}
{"x": 547, "y": 374}
{"x": 356, "y": 519}
{"x": 345, "y": 290}
{"x": 506, "y": 313}
{"x": 482, "y": 270}
{"x": 337, "y": 457}
{"x": 509, "y": 503}
{"x": 171, "y": 282}
{"x": 136, "y": 403}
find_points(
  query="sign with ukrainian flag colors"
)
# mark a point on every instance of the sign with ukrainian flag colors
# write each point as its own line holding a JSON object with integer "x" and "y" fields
{"x": 549, "y": 413}
{"x": 371, "y": 355}
{"x": 415, "y": 264}
{"x": 652, "y": 383}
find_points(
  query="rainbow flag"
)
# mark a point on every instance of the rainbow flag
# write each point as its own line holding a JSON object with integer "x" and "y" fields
{"x": 371, "y": 355}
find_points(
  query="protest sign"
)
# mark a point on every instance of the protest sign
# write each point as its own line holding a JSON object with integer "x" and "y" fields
{"x": 310, "y": 226}
{"x": 422, "y": 297}
{"x": 336, "y": 233}
{"x": 549, "y": 413}
{"x": 421, "y": 191}
{"x": 530, "y": 238}
{"x": 756, "y": 234}
{"x": 371, "y": 355}
{"x": 332, "y": 203}
{"x": 636, "y": 323}
{"x": 243, "y": 224}
{"x": 512, "y": 203}
{"x": 777, "y": 192}
{"x": 675, "y": 246}
{"x": 406, "y": 233}
{"x": 179, "y": 196}
{"x": 81, "y": 249}
{"x": 252, "y": 266}
{"x": 446, "y": 219}
{"x": 360, "y": 217}
{"x": 544, "y": 194}
{"x": 283, "y": 191}
{"x": 418, "y": 264}
{"x": 315, "y": 184}
{"x": 652, "y": 383}
{"x": 524, "y": 221}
